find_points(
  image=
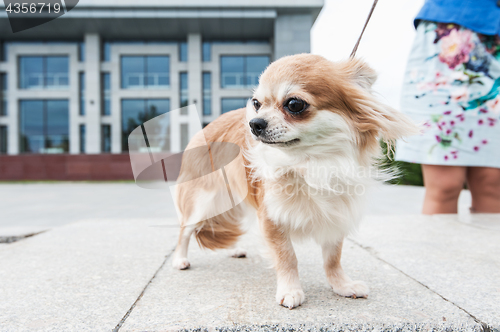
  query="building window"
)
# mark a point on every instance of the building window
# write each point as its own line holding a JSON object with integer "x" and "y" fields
{"x": 242, "y": 71}
{"x": 231, "y": 104}
{"x": 81, "y": 51}
{"x": 206, "y": 52}
{"x": 135, "y": 112}
{"x": 207, "y": 94}
{"x": 106, "y": 94}
{"x": 183, "y": 52}
{"x": 44, "y": 126}
{"x": 106, "y": 51}
{"x": 82, "y": 138}
{"x": 82, "y": 93}
{"x": 3, "y": 94}
{"x": 3, "y": 139}
{"x": 184, "y": 92}
{"x": 139, "y": 72}
{"x": 106, "y": 138}
{"x": 43, "y": 72}
{"x": 3, "y": 51}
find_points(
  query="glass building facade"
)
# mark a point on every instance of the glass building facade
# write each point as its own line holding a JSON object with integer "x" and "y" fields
{"x": 84, "y": 95}
{"x": 136, "y": 112}
{"x": 230, "y": 104}
{"x": 139, "y": 72}
{"x": 134, "y": 85}
{"x": 44, "y": 126}
{"x": 43, "y": 72}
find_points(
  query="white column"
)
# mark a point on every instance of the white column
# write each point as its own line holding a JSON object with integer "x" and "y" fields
{"x": 195, "y": 71}
{"x": 13, "y": 111}
{"x": 93, "y": 93}
{"x": 74, "y": 103}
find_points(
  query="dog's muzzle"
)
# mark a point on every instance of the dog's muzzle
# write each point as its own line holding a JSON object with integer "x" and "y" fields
{"x": 258, "y": 126}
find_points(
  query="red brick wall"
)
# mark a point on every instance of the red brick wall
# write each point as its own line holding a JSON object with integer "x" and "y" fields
{"x": 66, "y": 167}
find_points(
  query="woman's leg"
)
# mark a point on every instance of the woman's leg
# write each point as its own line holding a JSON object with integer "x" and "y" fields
{"x": 484, "y": 185}
{"x": 443, "y": 185}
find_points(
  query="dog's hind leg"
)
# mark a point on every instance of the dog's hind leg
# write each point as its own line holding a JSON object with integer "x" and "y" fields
{"x": 340, "y": 282}
{"x": 180, "y": 260}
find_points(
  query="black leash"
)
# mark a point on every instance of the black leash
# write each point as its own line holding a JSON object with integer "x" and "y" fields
{"x": 353, "y": 53}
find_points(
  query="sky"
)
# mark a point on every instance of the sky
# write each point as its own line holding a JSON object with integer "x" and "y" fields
{"x": 386, "y": 43}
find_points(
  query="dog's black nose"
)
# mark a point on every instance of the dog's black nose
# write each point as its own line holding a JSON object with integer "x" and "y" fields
{"x": 258, "y": 126}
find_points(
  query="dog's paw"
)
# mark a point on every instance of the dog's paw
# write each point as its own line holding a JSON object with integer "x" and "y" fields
{"x": 290, "y": 298}
{"x": 352, "y": 289}
{"x": 180, "y": 263}
{"x": 238, "y": 253}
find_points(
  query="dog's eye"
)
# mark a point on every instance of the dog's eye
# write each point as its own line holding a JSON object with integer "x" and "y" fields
{"x": 256, "y": 104}
{"x": 295, "y": 105}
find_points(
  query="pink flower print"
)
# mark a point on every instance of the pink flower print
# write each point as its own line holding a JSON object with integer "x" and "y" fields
{"x": 452, "y": 123}
{"x": 447, "y": 113}
{"x": 492, "y": 121}
{"x": 455, "y": 156}
{"x": 494, "y": 106}
{"x": 459, "y": 94}
{"x": 438, "y": 139}
{"x": 454, "y": 152}
{"x": 480, "y": 122}
{"x": 448, "y": 131}
{"x": 476, "y": 148}
{"x": 484, "y": 141}
{"x": 445, "y": 157}
{"x": 444, "y": 29}
{"x": 455, "y": 48}
{"x": 482, "y": 110}
{"x": 471, "y": 133}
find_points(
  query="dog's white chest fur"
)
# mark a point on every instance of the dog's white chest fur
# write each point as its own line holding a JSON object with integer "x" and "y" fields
{"x": 324, "y": 209}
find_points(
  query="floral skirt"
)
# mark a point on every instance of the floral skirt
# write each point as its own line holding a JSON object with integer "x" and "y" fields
{"x": 451, "y": 87}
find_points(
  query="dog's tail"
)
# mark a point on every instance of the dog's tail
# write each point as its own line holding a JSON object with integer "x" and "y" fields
{"x": 221, "y": 231}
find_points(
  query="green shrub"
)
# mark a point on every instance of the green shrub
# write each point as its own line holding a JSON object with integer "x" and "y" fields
{"x": 410, "y": 174}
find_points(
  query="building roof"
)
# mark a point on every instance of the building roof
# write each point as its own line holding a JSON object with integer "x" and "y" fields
{"x": 173, "y": 19}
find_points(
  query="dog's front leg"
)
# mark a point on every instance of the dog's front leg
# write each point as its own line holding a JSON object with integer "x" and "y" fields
{"x": 340, "y": 282}
{"x": 289, "y": 293}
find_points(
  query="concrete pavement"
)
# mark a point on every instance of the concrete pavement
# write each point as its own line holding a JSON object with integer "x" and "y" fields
{"x": 33, "y": 207}
{"x": 89, "y": 272}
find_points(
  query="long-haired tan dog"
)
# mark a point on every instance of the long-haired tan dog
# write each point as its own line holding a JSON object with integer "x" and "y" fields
{"x": 309, "y": 140}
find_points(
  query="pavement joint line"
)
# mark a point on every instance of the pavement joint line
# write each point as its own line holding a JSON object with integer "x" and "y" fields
{"x": 15, "y": 238}
{"x": 124, "y": 318}
{"x": 484, "y": 326}
{"x": 474, "y": 225}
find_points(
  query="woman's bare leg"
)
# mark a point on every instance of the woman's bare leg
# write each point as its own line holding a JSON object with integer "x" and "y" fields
{"x": 484, "y": 185}
{"x": 443, "y": 185}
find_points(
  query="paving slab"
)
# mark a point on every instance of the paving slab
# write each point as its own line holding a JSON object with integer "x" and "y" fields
{"x": 223, "y": 293}
{"x": 457, "y": 257}
{"x": 30, "y": 207}
{"x": 80, "y": 277}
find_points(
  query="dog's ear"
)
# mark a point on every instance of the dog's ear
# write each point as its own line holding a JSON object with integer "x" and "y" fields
{"x": 373, "y": 118}
{"x": 360, "y": 73}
